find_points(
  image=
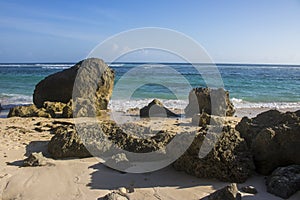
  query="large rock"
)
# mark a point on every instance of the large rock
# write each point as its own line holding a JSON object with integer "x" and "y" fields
{"x": 66, "y": 143}
{"x": 210, "y": 101}
{"x": 28, "y": 111}
{"x": 229, "y": 192}
{"x": 58, "y": 87}
{"x": 284, "y": 181}
{"x": 229, "y": 159}
{"x": 156, "y": 109}
{"x": 274, "y": 139}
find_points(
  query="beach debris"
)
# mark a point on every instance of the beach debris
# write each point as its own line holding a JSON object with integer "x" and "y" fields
{"x": 156, "y": 109}
{"x": 229, "y": 159}
{"x": 35, "y": 159}
{"x": 249, "y": 189}
{"x": 273, "y": 138}
{"x": 229, "y": 192}
{"x": 58, "y": 87}
{"x": 284, "y": 181}
{"x": 210, "y": 101}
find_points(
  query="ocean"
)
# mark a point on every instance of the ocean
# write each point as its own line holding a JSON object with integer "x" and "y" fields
{"x": 250, "y": 85}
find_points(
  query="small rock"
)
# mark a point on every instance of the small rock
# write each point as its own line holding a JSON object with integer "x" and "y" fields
{"x": 229, "y": 192}
{"x": 156, "y": 109}
{"x": 122, "y": 190}
{"x": 35, "y": 159}
{"x": 249, "y": 189}
{"x": 114, "y": 196}
{"x": 284, "y": 181}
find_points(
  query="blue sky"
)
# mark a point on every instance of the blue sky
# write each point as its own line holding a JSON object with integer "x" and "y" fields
{"x": 244, "y": 31}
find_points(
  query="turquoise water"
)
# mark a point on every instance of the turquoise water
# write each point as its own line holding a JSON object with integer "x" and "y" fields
{"x": 249, "y": 85}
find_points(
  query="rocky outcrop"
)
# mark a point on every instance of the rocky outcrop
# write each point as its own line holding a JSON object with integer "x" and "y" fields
{"x": 273, "y": 138}
{"x": 210, "y": 101}
{"x": 49, "y": 110}
{"x": 229, "y": 159}
{"x": 284, "y": 181}
{"x": 229, "y": 192}
{"x": 66, "y": 143}
{"x": 156, "y": 109}
{"x": 28, "y": 111}
{"x": 58, "y": 87}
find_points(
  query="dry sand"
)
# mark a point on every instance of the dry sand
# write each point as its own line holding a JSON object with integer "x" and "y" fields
{"x": 88, "y": 178}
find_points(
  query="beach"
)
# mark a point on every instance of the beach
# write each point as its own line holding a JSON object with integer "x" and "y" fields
{"x": 87, "y": 178}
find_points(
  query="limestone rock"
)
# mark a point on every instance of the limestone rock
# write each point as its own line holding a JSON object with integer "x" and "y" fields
{"x": 35, "y": 159}
{"x": 229, "y": 192}
{"x": 156, "y": 109}
{"x": 66, "y": 143}
{"x": 28, "y": 111}
{"x": 274, "y": 139}
{"x": 54, "y": 108}
{"x": 58, "y": 87}
{"x": 210, "y": 101}
{"x": 229, "y": 160}
{"x": 284, "y": 181}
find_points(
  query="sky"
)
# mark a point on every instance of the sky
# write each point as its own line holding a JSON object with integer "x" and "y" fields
{"x": 231, "y": 31}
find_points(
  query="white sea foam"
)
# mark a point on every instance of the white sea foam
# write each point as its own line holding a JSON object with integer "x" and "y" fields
{"x": 239, "y": 103}
{"x": 9, "y": 100}
{"x": 116, "y": 65}
{"x": 123, "y": 105}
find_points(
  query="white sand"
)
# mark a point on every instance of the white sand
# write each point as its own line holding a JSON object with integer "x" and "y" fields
{"x": 88, "y": 178}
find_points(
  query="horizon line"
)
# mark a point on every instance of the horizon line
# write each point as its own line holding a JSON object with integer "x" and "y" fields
{"x": 153, "y": 62}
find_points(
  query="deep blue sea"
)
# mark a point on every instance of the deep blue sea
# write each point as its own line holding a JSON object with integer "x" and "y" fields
{"x": 250, "y": 86}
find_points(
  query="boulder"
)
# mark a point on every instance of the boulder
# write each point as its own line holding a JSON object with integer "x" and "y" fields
{"x": 229, "y": 159}
{"x": 58, "y": 87}
{"x": 284, "y": 181}
{"x": 210, "y": 101}
{"x": 274, "y": 139}
{"x": 28, "y": 111}
{"x": 66, "y": 143}
{"x": 229, "y": 192}
{"x": 35, "y": 159}
{"x": 156, "y": 109}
